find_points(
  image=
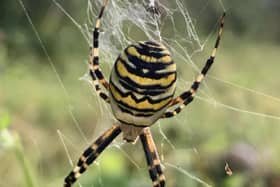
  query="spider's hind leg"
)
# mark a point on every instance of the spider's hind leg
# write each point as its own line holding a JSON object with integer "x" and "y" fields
{"x": 187, "y": 97}
{"x": 94, "y": 68}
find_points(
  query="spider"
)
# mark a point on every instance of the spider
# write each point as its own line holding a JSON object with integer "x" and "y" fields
{"x": 140, "y": 91}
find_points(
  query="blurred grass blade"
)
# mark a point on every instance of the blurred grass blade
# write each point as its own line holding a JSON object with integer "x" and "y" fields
{"x": 24, "y": 163}
{"x": 5, "y": 121}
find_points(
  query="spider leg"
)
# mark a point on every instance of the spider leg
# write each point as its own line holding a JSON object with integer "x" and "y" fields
{"x": 91, "y": 153}
{"x": 97, "y": 87}
{"x": 94, "y": 69}
{"x": 155, "y": 171}
{"x": 188, "y": 96}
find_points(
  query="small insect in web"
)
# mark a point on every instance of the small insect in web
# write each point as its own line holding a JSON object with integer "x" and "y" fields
{"x": 153, "y": 7}
{"x": 228, "y": 170}
{"x": 140, "y": 91}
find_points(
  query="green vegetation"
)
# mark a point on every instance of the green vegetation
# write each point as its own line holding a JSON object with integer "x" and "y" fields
{"x": 38, "y": 107}
{"x": 11, "y": 141}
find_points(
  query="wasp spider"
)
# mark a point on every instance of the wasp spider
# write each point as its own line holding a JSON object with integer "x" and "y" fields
{"x": 140, "y": 91}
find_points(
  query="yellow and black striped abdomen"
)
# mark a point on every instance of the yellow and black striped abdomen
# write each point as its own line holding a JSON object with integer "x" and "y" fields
{"x": 142, "y": 83}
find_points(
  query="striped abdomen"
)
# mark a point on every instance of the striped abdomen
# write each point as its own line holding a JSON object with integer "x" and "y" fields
{"x": 142, "y": 83}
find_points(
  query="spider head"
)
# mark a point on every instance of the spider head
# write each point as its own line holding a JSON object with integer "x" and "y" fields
{"x": 131, "y": 133}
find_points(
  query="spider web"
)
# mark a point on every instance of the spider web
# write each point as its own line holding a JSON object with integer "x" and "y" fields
{"x": 126, "y": 22}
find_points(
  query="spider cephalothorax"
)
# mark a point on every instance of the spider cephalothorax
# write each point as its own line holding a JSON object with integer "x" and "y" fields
{"x": 140, "y": 91}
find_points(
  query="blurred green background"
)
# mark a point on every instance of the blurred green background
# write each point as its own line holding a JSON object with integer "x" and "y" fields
{"x": 196, "y": 144}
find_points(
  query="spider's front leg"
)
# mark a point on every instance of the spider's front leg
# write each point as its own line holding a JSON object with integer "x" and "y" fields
{"x": 91, "y": 153}
{"x": 153, "y": 161}
{"x": 187, "y": 97}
